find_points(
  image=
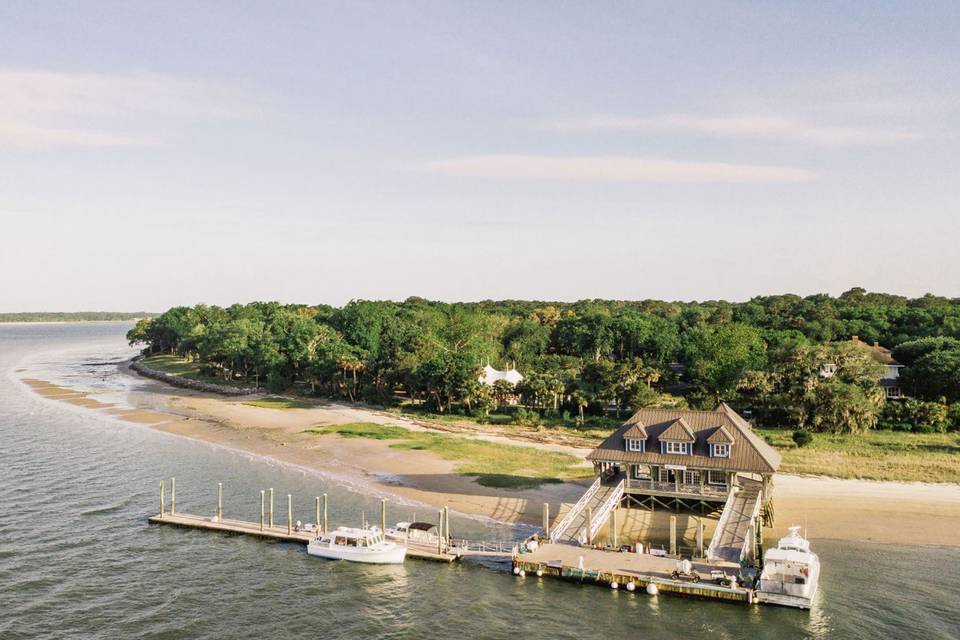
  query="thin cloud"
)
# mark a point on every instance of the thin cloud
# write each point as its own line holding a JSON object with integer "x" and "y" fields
{"x": 40, "y": 109}
{"x": 757, "y": 126}
{"x": 614, "y": 169}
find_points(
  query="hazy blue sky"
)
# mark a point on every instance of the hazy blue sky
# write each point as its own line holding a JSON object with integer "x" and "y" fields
{"x": 158, "y": 153}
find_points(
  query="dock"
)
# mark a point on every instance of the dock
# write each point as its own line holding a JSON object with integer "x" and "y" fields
{"x": 631, "y": 571}
{"x": 447, "y": 549}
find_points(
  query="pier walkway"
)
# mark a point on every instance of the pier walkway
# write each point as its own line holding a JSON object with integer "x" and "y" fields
{"x": 733, "y": 535}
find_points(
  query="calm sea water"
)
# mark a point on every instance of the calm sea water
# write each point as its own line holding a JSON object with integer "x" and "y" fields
{"x": 78, "y": 560}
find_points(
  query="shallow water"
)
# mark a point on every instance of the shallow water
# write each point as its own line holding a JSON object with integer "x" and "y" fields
{"x": 78, "y": 560}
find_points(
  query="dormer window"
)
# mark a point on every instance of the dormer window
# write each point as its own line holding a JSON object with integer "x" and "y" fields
{"x": 634, "y": 444}
{"x": 676, "y": 448}
{"x": 720, "y": 450}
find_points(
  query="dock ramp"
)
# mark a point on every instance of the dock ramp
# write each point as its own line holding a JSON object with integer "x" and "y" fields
{"x": 732, "y": 538}
{"x": 598, "y": 501}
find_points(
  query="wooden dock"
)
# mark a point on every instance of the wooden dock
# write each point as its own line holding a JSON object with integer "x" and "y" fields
{"x": 280, "y": 534}
{"x": 609, "y": 568}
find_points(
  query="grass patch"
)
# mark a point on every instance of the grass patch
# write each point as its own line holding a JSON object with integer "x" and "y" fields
{"x": 875, "y": 455}
{"x": 276, "y": 402}
{"x": 183, "y": 368}
{"x": 495, "y": 464}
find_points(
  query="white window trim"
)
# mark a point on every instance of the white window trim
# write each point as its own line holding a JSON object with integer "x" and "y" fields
{"x": 715, "y": 450}
{"x": 675, "y": 448}
{"x": 636, "y": 445}
{"x": 690, "y": 473}
{"x": 723, "y": 477}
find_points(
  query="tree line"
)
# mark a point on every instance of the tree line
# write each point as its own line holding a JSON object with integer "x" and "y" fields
{"x": 593, "y": 357}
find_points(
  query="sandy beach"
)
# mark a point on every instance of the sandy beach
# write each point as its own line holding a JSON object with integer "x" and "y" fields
{"x": 882, "y": 512}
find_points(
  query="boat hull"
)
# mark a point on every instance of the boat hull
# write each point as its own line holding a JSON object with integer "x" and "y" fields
{"x": 798, "y": 602}
{"x": 394, "y": 555}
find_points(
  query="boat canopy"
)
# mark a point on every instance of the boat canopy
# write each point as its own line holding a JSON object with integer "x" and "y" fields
{"x": 421, "y": 526}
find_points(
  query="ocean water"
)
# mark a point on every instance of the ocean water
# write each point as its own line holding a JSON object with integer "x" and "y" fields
{"x": 78, "y": 559}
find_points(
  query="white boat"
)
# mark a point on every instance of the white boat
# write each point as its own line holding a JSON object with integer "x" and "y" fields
{"x": 357, "y": 545}
{"x": 790, "y": 572}
{"x": 423, "y": 533}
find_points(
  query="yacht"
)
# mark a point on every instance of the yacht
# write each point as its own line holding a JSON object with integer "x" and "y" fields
{"x": 357, "y": 545}
{"x": 790, "y": 572}
{"x": 423, "y": 533}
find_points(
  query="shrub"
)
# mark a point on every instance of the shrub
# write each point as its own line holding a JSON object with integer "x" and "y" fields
{"x": 802, "y": 438}
{"x": 953, "y": 416}
{"x": 526, "y": 418}
{"x": 923, "y": 428}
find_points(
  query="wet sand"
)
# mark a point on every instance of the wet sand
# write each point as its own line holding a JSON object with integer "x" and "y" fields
{"x": 885, "y": 512}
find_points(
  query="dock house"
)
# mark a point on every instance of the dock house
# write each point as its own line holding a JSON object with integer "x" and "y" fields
{"x": 704, "y": 461}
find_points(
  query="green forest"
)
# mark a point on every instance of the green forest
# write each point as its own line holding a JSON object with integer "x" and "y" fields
{"x": 592, "y": 360}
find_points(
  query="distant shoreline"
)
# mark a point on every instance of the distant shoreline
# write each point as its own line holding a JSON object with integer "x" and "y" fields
{"x": 16, "y": 322}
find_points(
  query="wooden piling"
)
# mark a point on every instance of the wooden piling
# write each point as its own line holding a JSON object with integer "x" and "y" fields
{"x": 270, "y": 522}
{"x": 219, "y": 502}
{"x": 317, "y": 521}
{"x": 446, "y": 526}
{"x": 546, "y": 519}
{"x": 613, "y": 529}
{"x": 700, "y": 536}
{"x": 383, "y": 514}
{"x": 324, "y": 513}
{"x": 673, "y": 535}
{"x": 173, "y": 496}
{"x": 262, "y": 493}
{"x": 589, "y": 526}
{"x": 289, "y": 514}
{"x": 161, "y": 498}
{"x": 440, "y": 531}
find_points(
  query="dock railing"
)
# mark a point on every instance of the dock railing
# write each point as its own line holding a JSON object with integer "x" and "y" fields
{"x": 567, "y": 520}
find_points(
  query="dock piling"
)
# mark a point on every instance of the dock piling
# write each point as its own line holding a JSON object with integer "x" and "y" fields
{"x": 324, "y": 513}
{"x": 446, "y": 526}
{"x": 317, "y": 521}
{"x": 173, "y": 496}
{"x": 262, "y": 493}
{"x": 383, "y": 514}
{"x": 613, "y": 528}
{"x": 673, "y": 535}
{"x": 440, "y": 531}
{"x": 271, "y": 508}
{"x": 161, "y": 498}
{"x": 700, "y": 536}
{"x": 546, "y": 519}
{"x": 289, "y": 514}
{"x": 219, "y": 502}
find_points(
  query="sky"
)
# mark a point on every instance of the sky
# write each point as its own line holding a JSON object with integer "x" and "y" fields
{"x": 163, "y": 153}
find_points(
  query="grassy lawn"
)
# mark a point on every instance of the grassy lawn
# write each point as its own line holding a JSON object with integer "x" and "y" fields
{"x": 875, "y": 455}
{"x": 177, "y": 366}
{"x": 494, "y": 464}
{"x": 276, "y": 402}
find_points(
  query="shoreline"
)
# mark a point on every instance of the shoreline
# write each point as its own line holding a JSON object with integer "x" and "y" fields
{"x": 914, "y": 513}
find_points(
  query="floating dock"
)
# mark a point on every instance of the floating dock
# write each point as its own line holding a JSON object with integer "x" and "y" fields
{"x": 631, "y": 571}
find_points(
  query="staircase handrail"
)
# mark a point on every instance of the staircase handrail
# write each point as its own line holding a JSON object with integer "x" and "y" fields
{"x": 601, "y": 515}
{"x": 567, "y": 520}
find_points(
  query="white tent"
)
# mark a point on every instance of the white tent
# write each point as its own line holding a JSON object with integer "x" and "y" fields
{"x": 491, "y": 375}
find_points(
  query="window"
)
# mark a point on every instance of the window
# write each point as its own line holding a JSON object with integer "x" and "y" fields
{"x": 893, "y": 392}
{"x": 640, "y": 471}
{"x": 717, "y": 477}
{"x": 681, "y": 448}
{"x": 691, "y": 477}
{"x": 635, "y": 445}
{"x": 664, "y": 475}
{"x": 721, "y": 451}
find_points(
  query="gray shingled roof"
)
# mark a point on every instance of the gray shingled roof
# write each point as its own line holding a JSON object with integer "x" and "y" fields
{"x": 749, "y": 452}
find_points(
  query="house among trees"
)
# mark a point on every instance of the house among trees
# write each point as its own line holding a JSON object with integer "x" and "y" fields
{"x": 889, "y": 381}
{"x": 682, "y": 459}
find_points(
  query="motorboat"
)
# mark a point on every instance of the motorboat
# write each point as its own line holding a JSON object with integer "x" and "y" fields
{"x": 790, "y": 572}
{"x": 423, "y": 533}
{"x": 356, "y": 544}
